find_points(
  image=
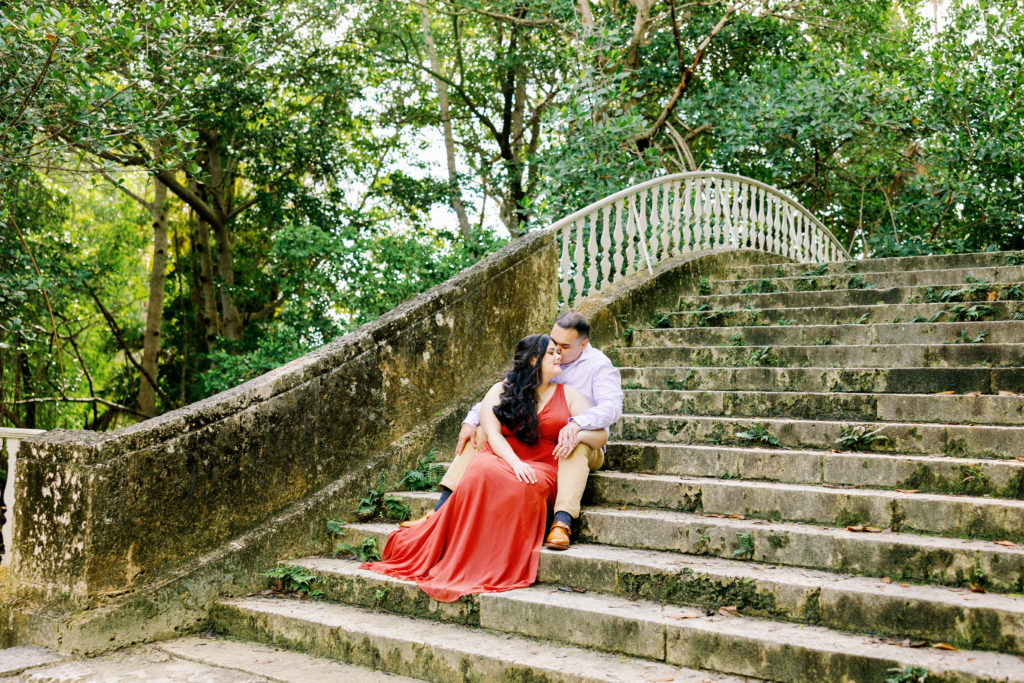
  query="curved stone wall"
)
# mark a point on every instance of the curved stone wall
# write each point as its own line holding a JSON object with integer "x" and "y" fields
{"x": 97, "y": 514}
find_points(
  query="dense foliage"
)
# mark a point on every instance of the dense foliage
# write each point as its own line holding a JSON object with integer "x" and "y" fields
{"x": 194, "y": 193}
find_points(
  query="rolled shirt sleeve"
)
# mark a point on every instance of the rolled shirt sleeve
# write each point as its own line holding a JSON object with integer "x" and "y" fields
{"x": 607, "y": 395}
{"x": 473, "y": 416}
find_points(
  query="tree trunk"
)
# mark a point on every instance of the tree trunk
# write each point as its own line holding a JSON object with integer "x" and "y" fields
{"x": 155, "y": 306}
{"x": 207, "y": 297}
{"x": 226, "y": 273}
{"x": 446, "y": 121}
{"x": 25, "y": 370}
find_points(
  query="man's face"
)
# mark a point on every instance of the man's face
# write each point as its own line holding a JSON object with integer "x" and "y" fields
{"x": 568, "y": 342}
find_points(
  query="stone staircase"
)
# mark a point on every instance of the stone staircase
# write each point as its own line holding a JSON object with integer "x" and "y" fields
{"x": 812, "y": 482}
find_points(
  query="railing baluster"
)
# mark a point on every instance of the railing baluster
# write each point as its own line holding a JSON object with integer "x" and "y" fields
{"x": 619, "y": 256}
{"x": 687, "y": 243}
{"x": 564, "y": 264}
{"x": 677, "y": 195}
{"x": 631, "y": 234}
{"x": 666, "y": 222}
{"x": 578, "y": 259}
{"x": 592, "y": 272}
{"x": 606, "y": 246}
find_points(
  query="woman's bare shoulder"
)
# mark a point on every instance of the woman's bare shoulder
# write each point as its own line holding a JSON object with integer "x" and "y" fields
{"x": 575, "y": 397}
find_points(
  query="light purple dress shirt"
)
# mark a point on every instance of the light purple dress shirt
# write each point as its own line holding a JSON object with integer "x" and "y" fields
{"x": 594, "y": 376}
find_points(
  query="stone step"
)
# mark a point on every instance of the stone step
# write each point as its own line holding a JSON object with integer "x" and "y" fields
{"x": 996, "y": 332}
{"x": 991, "y": 519}
{"x": 847, "y": 314}
{"x": 988, "y": 409}
{"x": 813, "y": 281}
{"x": 960, "y": 617}
{"x": 844, "y": 356}
{"x": 860, "y": 380}
{"x": 966, "y": 441}
{"x": 929, "y": 474}
{"x": 847, "y": 297}
{"x": 427, "y": 649}
{"x": 728, "y": 643}
{"x": 14, "y": 660}
{"x": 882, "y": 265}
{"x": 903, "y": 557}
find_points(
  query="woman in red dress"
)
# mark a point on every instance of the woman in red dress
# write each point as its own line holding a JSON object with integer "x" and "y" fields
{"x": 487, "y": 537}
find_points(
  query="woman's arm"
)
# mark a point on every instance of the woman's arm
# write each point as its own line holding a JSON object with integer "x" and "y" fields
{"x": 492, "y": 431}
{"x": 578, "y": 404}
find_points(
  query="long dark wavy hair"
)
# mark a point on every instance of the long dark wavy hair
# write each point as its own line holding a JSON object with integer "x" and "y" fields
{"x": 517, "y": 405}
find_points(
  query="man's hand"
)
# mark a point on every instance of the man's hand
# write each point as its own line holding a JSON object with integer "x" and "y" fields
{"x": 567, "y": 440}
{"x": 466, "y": 434}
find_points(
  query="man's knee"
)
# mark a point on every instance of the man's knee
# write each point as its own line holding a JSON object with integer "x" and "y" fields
{"x": 594, "y": 457}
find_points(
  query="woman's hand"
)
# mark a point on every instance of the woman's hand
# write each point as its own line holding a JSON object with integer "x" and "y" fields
{"x": 523, "y": 472}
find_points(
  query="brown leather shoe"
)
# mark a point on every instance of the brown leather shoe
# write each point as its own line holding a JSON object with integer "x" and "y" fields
{"x": 413, "y": 522}
{"x": 558, "y": 537}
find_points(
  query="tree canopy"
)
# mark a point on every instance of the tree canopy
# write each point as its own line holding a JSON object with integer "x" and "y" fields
{"x": 194, "y": 193}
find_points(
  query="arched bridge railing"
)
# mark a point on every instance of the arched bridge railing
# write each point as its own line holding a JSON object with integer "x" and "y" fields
{"x": 680, "y": 213}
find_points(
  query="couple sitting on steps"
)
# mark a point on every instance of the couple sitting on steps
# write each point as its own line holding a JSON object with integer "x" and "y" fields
{"x": 541, "y": 431}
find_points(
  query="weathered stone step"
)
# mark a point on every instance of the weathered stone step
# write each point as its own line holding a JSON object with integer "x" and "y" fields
{"x": 842, "y": 314}
{"x": 901, "y": 556}
{"x": 812, "y": 281}
{"x": 841, "y": 297}
{"x": 640, "y": 628}
{"x": 930, "y": 513}
{"x": 978, "y": 441}
{"x": 427, "y": 649}
{"x": 930, "y": 474}
{"x": 845, "y": 356}
{"x": 862, "y": 380}
{"x": 881, "y": 265}
{"x": 853, "y": 603}
{"x": 996, "y": 332}
{"x": 737, "y": 645}
{"x": 959, "y": 617}
{"x": 1004, "y": 410}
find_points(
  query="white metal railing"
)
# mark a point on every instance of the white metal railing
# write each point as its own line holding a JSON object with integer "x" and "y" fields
{"x": 9, "y": 439}
{"x": 685, "y": 212}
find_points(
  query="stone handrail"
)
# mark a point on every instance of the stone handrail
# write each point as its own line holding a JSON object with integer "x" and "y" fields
{"x": 685, "y": 212}
{"x": 10, "y": 439}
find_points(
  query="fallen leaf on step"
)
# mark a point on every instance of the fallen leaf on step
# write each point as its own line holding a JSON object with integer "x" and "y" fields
{"x": 736, "y": 517}
{"x": 886, "y": 579}
{"x": 729, "y": 611}
{"x": 683, "y": 616}
{"x": 872, "y": 530}
{"x": 993, "y": 295}
{"x": 855, "y": 528}
{"x": 623, "y": 507}
{"x": 973, "y": 393}
{"x": 1008, "y": 544}
{"x": 1004, "y": 392}
{"x": 944, "y": 646}
{"x": 904, "y": 585}
{"x": 659, "y": 680}
{"x": 978, "y": 589}
{"x": 717, "y": 515}
{"x": 945, "y": 393}
{"x": 912, "y": 643}
{"x": 906, "y": 490}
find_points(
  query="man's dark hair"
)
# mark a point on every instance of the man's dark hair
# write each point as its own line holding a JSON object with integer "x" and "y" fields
{"x": 571, "y": 320}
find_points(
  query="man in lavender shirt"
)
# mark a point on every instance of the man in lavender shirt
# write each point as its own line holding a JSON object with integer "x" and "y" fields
{"x": 589, "y": 371}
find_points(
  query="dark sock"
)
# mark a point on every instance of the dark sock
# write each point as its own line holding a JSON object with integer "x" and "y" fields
{"x": 563, "y": 517}
{"x": 445, "y": 492}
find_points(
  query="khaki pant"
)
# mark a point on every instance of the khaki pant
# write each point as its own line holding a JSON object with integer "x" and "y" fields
{"x": 572, "y": 473}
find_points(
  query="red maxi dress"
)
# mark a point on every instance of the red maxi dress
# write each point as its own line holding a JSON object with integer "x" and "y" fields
{"x": 487, "y": 536}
